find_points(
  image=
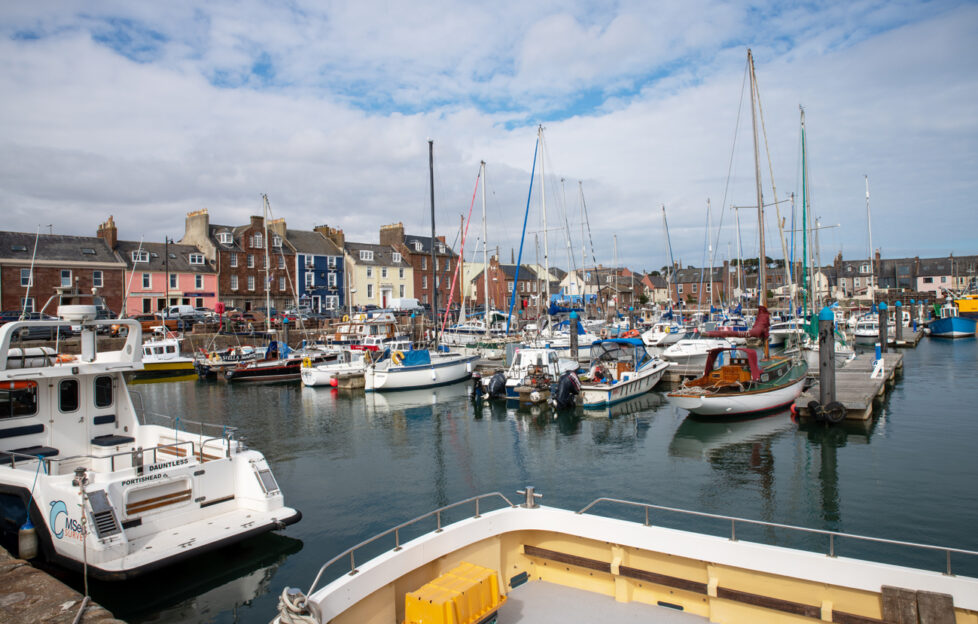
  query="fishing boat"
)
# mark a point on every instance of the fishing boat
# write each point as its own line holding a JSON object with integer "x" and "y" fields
{"x": 162, "y": 360}
{"x": 950, "y": 324}
{"x": 968, "y": 305}
{"x": 418, "y": 368}
{"x": 539, "y": 364}
{"x": 620, "y": 369}
{"x": 210, "y": 364}
{"x": 280, "y": 363}
{"x": 93, "y": 486}
{"x": 519, "y": 561}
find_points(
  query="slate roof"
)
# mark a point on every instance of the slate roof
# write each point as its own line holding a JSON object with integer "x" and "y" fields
{"x": 509, "y": 270}
{"x": 179, "y": 257}
{"x": 312, "y": 242}
{"x": 383, "y": 255}
{"x": 19, "y": 247}
{"x": 695, "y": 274}
{"x": 410, "y": 239}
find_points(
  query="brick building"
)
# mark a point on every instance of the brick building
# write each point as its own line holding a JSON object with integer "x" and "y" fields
{"x": 416, "y": 250}
{"x": 501, "y": 280}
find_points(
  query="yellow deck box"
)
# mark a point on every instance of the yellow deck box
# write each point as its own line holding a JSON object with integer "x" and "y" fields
{"x": 468, "y": 594}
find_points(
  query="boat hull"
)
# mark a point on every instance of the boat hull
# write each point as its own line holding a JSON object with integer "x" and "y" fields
{"x": 442, "y": 371}
{"x": 953, "y": 327}
{"x": 632, "y": 385}
{"x": 739, "y": 404}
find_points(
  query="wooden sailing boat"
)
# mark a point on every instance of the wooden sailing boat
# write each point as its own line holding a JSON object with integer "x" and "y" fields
{"x": 747, "y": 384}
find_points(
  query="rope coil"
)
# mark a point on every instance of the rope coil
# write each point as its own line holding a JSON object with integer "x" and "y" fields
{"x": 295, "y": 608}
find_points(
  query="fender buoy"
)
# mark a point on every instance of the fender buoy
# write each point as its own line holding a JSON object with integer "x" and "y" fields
{"x": 213, "y": 357}
{"x": 306, "y": 363}
{"x": 794, "y": 410}
{"x": 366, "y": 356}
{"x": 397, "y": 357}
{"x": 604, "y": 333}
{"x": 631, "y": 333}
{"x": 64, "y": 358}
{"x": 346, "y": 318}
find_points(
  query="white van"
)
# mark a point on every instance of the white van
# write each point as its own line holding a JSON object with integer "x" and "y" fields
{"x": 403, "y": 303}
{"x": 180, "y": 311}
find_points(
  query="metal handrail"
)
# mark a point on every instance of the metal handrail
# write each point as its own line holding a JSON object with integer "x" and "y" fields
{"x": 28, "y": 457}
{"x": 111, "y": 458}
{"x": 397, "y": 537}
{"x": 831, "y": 534}
{"x": 224, "y": 429}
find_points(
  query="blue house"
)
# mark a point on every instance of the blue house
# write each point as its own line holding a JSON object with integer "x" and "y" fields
{"x": 319, "y": 271}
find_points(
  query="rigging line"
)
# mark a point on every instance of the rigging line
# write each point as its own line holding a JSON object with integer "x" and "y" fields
{"x": 733, "y": 148}
{"x": 458, "y": 265}
{"x": 571, "y": 257}
{"x": 526, "y": 213}
{"x": 587, "y": 220}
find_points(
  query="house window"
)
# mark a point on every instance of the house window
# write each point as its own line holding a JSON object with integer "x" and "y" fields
{"x": 437, "y": 282}
{"x": 694, "y": 287}
{"x": 709, "y": 287}
{"x": 437, "y": 264}
{"x": 257, "y": 240}
{"x": 198, "y": 281}
{"x": 943, "y": 279}
{"x": 276, "y": 241}
{"x": 401, "y": 291}
{"x": 281, "y": 283}
{"x": 196, "y": 258}
{"x": 396, "y": 257}
{"x": 856, "y": 282}
{"x": 424, "y": 262}
{"x": 147, "y": 280}
{"x": 331, "y": 262}
{"x": 309, "y": 260}
{"x": 331, "y": 280}
{"x": 424, "y": 281}
{"x": 383, "y": 272}
{"x": 251, "y": 261}
{"x": 928, "y": 280}
{"x": 224, "y": 238}
{"x": 366, "y": 255}
{"x": 281, "y": 262}
{"x": 234, "y": 282}
{"x": 370, "y": 271}
{"x": 97, "y": 279}
{"x": 679, "y": 288}
{"x": 310, "y": 276}
{"x": 173, "y": 280}
{"x": 370, "y": 291}
{"x": 400, "y": 273}
{"x": 27, "y": 304}
{"x": 251, "y": 282}
{"x": 26, "y": 278}
{"x": 234, "y": 260}
{"x": 417, "y": 245}
{"x": 864, "y": 268}
{"x": 65, "y": 277}
{"x": 441, "y": 248}
{"x": 139, "y": 256}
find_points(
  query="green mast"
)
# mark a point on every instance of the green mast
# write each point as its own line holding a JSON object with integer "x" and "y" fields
{"x": 810, "y": 327}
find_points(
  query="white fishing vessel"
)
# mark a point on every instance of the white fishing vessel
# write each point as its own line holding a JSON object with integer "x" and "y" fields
{"x": 106, "y": 490}
{"x": 530, "y": 563}
{"x": 162, "y": 359}
{"x": 620, "y": 369}
{"x": 419, "y": 368}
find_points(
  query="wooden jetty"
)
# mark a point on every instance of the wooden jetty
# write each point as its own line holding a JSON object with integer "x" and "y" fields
{"x": 857, "y": 385}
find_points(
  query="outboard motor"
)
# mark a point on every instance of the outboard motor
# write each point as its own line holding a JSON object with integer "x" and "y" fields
{"x": 477, "y": 387}
{"x": 568, "y": 387}
{"x": 497, "y": 385}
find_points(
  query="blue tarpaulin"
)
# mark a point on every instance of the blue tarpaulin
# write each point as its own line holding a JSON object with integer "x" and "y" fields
{"x": 417, "y": 357}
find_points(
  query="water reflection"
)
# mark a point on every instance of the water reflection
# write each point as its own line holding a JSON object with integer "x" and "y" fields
{"x": 719, "y": 441}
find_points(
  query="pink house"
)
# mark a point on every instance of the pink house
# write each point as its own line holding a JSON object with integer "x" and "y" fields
{"x": 158, "y": 275}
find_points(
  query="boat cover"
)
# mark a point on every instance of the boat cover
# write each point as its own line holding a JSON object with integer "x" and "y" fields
{"x": 416, "y": 357}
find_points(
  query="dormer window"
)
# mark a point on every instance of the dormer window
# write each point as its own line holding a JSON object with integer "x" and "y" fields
{"x": 196, "y": 258}
{"x": 417, "y": 245}
{"x": 366, "y": 255}
{"x": 441, "y": 248}
{"x": 276, "y": 241}
{"x": 140, "y": 256}
{"x": 225, "y": 238}
{"x": 396, "y": 257}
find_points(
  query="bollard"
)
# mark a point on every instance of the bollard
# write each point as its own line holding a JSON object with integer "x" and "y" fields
{"x": 573, "y": 335}
{"x": 285, "y": 329}
{"x": 879, "y": 353}
{"x": 826, "y": 356}
{"x": 898, "y": 320}
{"x": 882, "y": 322}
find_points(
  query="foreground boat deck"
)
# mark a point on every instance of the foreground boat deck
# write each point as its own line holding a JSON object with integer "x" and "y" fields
{"x": 540, "y": 602}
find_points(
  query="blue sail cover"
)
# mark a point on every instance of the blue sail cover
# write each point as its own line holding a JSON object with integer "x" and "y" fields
{"x": 556, "y": 309}
{"x": 416, "y": 357}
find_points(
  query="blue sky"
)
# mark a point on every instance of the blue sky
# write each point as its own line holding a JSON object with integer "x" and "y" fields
{"x": 148, "y": 111}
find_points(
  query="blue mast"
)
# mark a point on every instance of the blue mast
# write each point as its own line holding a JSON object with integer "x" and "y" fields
{"x": 526, "y": 213}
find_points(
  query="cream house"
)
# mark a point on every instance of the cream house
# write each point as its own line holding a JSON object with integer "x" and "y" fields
{"x": 377, "y": 274}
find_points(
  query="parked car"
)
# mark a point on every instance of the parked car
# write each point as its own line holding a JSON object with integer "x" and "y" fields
{"x": 42, "y": 332}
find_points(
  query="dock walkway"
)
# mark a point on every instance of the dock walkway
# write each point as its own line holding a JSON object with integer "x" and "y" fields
{"x": 855, "y": 385}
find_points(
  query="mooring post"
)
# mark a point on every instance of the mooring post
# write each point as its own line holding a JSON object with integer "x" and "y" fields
{"x": 826, "y": 356}
{"x": 573, "y": 334}
{"x": 898, "y": 323}
{"x": 882, "y": 324}
{"x": 631, "y": 318}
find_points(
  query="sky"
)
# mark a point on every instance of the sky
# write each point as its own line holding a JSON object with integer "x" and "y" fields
{"x": 147, "y": 111}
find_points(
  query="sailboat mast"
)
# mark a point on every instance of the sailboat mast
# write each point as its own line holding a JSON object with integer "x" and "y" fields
{"x": 709, "y": 233}
{"x": 762, "y": 260}
{"x": 268, "y": 306}
{"x": 543, "y": 196}
{"x": 869, "y": 226}
{"x": 804, "y": 213}
{"x": 740, "y": 257}
{"x": 485, "y": 249}
{"x": 672, "y": 262}
{"x": 434, "y": 275}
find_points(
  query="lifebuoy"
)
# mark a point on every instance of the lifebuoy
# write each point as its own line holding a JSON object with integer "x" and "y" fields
{"x": 346, "y": 318}
{"x": 397, "y": 357}
{"x": 631, "y": 333}
{"x": 306, "y": 363}
{"x": 604, "y": 333}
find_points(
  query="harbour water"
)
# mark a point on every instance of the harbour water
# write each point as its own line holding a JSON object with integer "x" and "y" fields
{"x": 356, "y": 465}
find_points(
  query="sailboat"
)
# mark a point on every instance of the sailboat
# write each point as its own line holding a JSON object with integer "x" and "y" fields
{"x": 747, "y": 383}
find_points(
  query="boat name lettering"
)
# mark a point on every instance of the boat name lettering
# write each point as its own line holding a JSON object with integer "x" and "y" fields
{"x": 169, "y": 464}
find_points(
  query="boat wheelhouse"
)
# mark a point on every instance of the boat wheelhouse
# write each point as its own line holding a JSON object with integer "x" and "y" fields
{"x": 620, "y": 369}
{"x": 103, "y": 487}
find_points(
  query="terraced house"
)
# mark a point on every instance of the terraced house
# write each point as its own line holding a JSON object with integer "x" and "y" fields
{"x": 377, "y": 274}
{"x": 318, "y": 270}
{"x": 416, "y": 250}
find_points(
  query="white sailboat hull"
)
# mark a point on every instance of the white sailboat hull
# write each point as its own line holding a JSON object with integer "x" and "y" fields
{"x": 444, "y": 369}
{"x": 631, "y": 385}
{"x": 733, "y": 404}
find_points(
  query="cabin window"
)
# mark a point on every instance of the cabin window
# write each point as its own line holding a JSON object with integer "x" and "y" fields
{"x": 18, "y": 398}
{"x": 68, "y": 395}
{"x": 171, "y": 349}
{"x": 103, "y": 391}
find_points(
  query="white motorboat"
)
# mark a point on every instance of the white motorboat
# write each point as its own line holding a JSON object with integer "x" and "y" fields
{"x": 620, "y": 369}
{"x": 105, "y": 488}
{"x": 525, "y": 562}
{"x": 419, "y": 368}
{"x": 693, "y": 351}
{"x": 528, "y": 362}
{"x": 866, "y": 331}
{"x": 349, "y": 360}
{"x": 663, "y": 333}
{"x": 162, "y": 359}
{"x": 783, "y": 331}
